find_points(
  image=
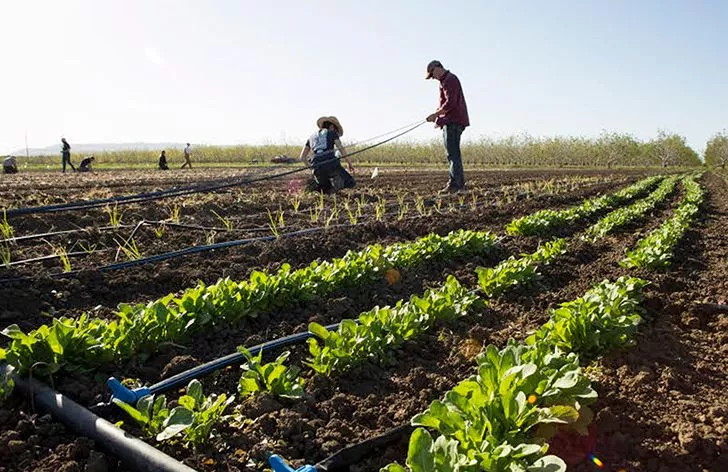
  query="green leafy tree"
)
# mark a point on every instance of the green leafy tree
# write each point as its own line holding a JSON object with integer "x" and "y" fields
{"x": 716, "y": 152}
{"x": 671, "y": 149}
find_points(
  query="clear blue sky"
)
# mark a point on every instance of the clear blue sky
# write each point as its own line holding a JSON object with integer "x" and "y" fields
{"x": 224, "y": 72}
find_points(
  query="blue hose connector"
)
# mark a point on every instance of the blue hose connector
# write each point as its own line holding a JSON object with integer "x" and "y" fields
{"x": 279, "y": 465}
{"x": 122, "y": 393}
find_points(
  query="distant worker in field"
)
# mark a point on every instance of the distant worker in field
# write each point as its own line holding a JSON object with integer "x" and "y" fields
{"x": 188, "y": 157}
{"x": 452, "y": 117}
{"x": 66, "y": 155}
{"x": 322, "y": 146}
{"x": 10, "y": 165}
{"x": 163, "y": 161}
{"x": 86, "y": 164}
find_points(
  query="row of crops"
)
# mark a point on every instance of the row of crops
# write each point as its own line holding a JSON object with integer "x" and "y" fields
{"x": 501, "y": 418}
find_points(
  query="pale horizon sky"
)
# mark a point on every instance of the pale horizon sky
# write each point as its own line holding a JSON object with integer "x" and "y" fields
{"x": 231, "y": 72}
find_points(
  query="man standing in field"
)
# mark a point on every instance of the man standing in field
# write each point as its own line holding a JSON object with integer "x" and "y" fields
{"x": 452, "y": 117}
{"x": 66, "y": 155}
{"x": 188, "y": 155}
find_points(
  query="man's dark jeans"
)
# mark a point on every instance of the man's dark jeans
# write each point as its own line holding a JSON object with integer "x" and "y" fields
{"x": 451, "y": 134}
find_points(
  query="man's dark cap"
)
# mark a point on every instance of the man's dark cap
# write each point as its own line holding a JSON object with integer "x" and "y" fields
{"x": 431, "y": 66}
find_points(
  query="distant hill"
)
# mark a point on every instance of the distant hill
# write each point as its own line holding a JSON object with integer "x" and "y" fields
{"x": 99, "y": 147}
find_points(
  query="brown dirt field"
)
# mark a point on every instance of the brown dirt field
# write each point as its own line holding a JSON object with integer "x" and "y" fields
{"x": 661, "y": 404}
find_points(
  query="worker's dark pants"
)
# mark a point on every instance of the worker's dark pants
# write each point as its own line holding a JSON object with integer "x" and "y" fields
{"x": 66, "y": 159}
{"x": 346, "y": 178}
{"x": 325, "y": 167}
{"x": 10, "y": 170}
{"x": 451, "y": 135}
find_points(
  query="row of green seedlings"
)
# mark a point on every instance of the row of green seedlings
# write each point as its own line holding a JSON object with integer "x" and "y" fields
{"x": 379, "y": 332}
{"x": 502, "y": 418}
{"x": 86, "y": 342}
{"x": 625, "y": 215}
{"x": 655, "y": 250}
{"x": 544, "y": 222}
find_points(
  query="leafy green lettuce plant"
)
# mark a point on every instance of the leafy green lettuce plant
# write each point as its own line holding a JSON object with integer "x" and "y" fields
{"x": 193, "y": 419}
{"x": 274, "y": 377}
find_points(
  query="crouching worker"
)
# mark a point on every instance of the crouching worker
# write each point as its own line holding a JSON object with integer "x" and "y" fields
{"x": 10, "y": 165}
{"x": 86, "y": 164}
{"x": 163, "y": 161}
{"x": 321, "y": 147}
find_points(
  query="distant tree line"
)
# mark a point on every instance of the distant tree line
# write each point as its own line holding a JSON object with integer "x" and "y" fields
{"x": 607, "y": 150}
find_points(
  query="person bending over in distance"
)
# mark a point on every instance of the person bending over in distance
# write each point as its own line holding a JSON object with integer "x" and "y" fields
{"x": 86, "y": 164}
{"x": 163, "y": 161}
{"x": 320, "y": 153}
{"x": 10, "y": 165}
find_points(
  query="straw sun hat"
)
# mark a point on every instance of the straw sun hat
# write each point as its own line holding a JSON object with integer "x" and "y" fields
{"x": 331, "y": 119}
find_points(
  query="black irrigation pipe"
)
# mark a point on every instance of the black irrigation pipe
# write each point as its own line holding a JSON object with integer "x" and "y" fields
{"x": 132, "y": 451}
{"x": 176, "y": 192}
{"x": 54, "y": 256}
{"x": 31, "y": 237}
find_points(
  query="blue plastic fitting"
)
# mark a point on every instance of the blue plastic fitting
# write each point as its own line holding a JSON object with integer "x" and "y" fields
{"x": 279, "y": 465}
{"x": 124, "y": 394}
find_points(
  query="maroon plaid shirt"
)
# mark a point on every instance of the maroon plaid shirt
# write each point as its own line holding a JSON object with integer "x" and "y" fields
{"x": 452, "y": 102}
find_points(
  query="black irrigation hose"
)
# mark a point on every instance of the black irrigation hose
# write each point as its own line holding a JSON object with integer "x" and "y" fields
{"x": 132, "y": 451}
{"x": 148, "y": 196}
{"x": 54, "y": 256}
